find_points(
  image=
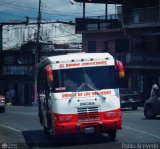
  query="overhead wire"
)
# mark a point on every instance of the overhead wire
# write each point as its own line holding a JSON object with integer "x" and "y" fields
{"x": 72, "y": 34}
{"x": 19, "y": 6}
{"x": 10, "y": 2}
{"x": 10, "y": 14}
{"x": 24, "y": 8}
{"x": 45, "y": 12}
{"x": 43, "y": 34}
{"x": 49, "y": 9}
{"x": 46, "y": 7}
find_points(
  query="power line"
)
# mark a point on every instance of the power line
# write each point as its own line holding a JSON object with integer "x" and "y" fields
{"x": 51, "y": 9}
{"x": 19, "y": 6}
{"x": 10, "y": 14}
{"x": 10, "y": 2}
{"x": 69, "y": 34}
{"x": 46, "y": 12}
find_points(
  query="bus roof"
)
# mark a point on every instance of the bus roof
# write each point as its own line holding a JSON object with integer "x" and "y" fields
{"x": 76, "y": 57}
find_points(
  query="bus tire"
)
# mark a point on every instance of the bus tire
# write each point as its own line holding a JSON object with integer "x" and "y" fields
{"x": 112, "y": 135}
{"x": 40, "y": 118}
{"x": 45, "y": 130}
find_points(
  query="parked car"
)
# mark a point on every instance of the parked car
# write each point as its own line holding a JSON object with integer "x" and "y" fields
{"x": 129, "y": 98}
{"x": 152, "y": 107}
{"x": 2, "y": 104}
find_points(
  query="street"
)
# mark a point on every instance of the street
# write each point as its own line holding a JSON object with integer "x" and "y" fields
{"x": 20, "y": 128}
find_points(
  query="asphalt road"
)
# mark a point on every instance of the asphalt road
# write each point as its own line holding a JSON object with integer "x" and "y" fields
{"x": 20, "y": 128}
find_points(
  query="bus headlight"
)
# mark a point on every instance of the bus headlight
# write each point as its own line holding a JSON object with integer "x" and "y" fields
{"x": 62, "y": 118}
{"x": 111, "y": 114}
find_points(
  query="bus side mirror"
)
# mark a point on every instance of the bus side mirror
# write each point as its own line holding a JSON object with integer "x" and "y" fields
{"x": 49, "y": 73}
{"x": 120, "y": 69}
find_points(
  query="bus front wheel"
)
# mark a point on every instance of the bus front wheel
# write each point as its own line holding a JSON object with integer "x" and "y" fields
{"x": 45, "y": 130}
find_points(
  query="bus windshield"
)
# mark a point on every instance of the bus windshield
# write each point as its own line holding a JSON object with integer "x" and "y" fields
{"x": 69, "y": 80}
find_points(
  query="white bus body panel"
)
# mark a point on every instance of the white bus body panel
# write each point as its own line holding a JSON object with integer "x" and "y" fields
{"x": 65, "y": 106}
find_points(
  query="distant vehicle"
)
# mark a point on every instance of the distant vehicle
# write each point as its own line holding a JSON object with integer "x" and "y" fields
{"x": 2, "y": 104}
{"x": 129, "y": 98}
{"x": 152, "y": 107}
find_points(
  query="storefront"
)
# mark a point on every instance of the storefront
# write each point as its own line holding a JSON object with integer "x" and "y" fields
{"x": 141, "y": 70}
{"x": 16, "y": 76}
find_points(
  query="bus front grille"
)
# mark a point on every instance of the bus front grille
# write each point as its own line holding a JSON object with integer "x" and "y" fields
{"x": 88, "y": 114}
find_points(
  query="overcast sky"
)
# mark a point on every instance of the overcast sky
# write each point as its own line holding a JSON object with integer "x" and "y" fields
{"x": 51, "y": 10}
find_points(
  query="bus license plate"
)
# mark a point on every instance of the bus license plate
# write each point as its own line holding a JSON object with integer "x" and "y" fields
{"x": 89, "y": 130}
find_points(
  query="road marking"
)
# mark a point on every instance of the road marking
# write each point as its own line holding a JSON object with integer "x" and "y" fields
{"x": 147, "y": 133}
{"x": 11, "y": 128}
{"x": 27, "y": 113}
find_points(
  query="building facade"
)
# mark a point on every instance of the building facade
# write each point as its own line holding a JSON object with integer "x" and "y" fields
{"x": 131, "y": 35}
{"x": 17, "y": 74}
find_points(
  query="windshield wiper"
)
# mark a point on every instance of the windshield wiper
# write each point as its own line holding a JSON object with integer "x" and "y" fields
{"x": 78, "y": 89}
{"x": 91, "y": 87}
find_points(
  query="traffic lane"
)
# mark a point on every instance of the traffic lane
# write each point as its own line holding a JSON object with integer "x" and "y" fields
{"x": 68, "y": 141}
{"x": 20, "y": 118}
{"x": 129, "y": 134}
{"x": 136, "y": 121}
{"x": 126, "y": 135}
{"x": 10, "y": 136}
{"x": 25, "y": 124}
{"x": 23, "y": 109}
{"x": 35, "y": 137}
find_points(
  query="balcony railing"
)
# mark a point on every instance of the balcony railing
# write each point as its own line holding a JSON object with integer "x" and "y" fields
{"x": 145, "y": 15}
{"x": 99, "y": 23}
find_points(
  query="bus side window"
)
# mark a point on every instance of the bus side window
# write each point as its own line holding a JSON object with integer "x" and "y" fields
{"x": 57, "y": 81}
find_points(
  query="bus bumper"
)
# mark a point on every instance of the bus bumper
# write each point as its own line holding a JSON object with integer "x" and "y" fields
{"x": 88, "y": 127}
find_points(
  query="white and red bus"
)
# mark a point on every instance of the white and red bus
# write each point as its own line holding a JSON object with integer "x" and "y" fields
{"x": 78, "y": 93}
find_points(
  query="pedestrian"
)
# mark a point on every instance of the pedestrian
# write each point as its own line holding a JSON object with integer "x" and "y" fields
{"x": 154, "y": 89}
{"x": 8, "y": 98}
{"x": 13, "y": 95}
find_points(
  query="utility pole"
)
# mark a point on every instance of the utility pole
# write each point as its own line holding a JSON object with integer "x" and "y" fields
{"x": 37, "y": 51}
